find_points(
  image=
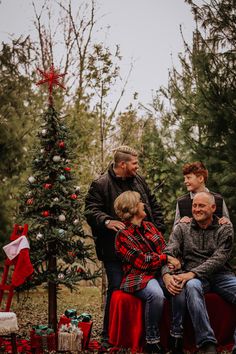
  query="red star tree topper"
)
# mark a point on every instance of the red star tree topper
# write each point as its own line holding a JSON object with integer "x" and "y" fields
{"x": 52, "y": 79}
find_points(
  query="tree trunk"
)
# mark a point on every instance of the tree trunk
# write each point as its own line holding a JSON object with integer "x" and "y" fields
{"x": 52, "y": 292}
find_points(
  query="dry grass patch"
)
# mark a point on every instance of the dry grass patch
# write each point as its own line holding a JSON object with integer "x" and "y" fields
{"x": 32, "y": 307}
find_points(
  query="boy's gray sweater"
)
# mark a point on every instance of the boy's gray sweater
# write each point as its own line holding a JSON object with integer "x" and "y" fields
{"x": 202, "y": 251}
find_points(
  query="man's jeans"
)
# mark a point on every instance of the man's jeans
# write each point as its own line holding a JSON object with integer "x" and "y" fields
{"x": 114, "y": 277}
{"x": 154, "y": 295}
{"x": 222, "y": 284}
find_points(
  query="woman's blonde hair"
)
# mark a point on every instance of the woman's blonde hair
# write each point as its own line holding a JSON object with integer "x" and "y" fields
{"x": 126, "y": 205}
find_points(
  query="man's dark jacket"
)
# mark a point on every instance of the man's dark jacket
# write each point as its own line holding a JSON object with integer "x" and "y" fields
{"x": 99, "y": 206}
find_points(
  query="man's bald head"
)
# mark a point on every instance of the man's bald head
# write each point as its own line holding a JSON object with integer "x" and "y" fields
{"x": 207, "y": 196}
{"x": 203, "y": 208}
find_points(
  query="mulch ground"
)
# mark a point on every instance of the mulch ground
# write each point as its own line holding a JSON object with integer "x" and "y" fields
{"x": 32, "y": 307}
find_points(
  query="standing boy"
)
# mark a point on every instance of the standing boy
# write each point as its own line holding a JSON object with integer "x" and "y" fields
{"x": 195, "y": 179}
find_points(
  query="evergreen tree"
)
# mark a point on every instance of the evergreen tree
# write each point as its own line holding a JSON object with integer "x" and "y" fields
{"x": 202, "y": 97}
{"x": 158, "y": 163}
{"x": 17, "y": 101}
{"x": 51, "y": 206}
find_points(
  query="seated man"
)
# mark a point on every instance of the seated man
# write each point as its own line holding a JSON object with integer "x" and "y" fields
{"x": 204, "y": 247}
{"x": 140, "y": 246}
{"x": 195, "y": 178}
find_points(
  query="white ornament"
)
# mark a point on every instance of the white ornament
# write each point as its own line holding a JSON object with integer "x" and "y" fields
{"x": 76, "y": 221}
{"x": 39, "y": 236}
{"x": 77, "y": 189}
{"x": 42, "y": 151}
{"x": 61, "y": 276}
{"x": 31, "y": 179}
{"x": 62, "y": 217}
{"x": 44, "y": 132}
{"x": 56, "y": 199}
{"x": 56, "y": 158}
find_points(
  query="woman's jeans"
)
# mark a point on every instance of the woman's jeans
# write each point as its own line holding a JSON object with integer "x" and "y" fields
{"x": 154, "y": 295}
{"x": 222, "y": 284}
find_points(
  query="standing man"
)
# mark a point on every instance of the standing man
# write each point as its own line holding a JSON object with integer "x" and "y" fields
{"x": 195, "y": 179}
{"x": 204, "y": 247}
{"x": 99, "y": 210}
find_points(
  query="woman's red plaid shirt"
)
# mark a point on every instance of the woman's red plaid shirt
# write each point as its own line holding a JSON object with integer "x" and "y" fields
{"x": 140, "y": 249}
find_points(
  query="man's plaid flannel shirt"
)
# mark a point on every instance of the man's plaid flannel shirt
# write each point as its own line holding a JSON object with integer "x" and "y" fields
{"x": 140, "y": 249}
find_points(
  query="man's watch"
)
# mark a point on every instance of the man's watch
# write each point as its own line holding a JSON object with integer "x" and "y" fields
{"x": 107, "y": 222}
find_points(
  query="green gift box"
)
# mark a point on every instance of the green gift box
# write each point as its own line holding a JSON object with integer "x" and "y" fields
{"x": 42, "y": 330}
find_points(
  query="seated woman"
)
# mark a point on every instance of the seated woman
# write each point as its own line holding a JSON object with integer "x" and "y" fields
{"x": 140, "y": 246}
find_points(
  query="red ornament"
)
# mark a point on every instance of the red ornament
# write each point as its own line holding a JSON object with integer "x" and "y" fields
{"x": 80, "y": 270}
{"x": 68, "y": 169}
{"x": 61, "y": 144}
{"x": 51, "y": 78}
{"x": 73, "y": 196}
{"x": 71, "y": 254}
{"x": 30, "y": 201}
{"x": 47, "y": 185}
{"x": 45, "y": 213}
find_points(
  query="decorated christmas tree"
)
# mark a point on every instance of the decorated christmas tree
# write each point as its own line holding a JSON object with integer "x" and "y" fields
{"x": 51, "y": 206}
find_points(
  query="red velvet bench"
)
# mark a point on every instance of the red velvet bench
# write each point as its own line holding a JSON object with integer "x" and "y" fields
{"x": 126, "y": 324}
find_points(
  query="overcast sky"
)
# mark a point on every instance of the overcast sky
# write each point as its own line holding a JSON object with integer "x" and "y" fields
{"x": 146, "y": 30}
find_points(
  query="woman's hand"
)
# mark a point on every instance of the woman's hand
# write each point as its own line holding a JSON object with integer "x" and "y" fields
{"x": 173, "y": 263}
{"x": 172, "y": 285}
{"x": 184, "y": 277}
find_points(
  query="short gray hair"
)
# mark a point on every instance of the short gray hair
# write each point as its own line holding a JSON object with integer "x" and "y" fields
{"x": 209, "y": 195}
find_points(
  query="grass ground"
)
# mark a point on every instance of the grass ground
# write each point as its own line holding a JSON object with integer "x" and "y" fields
{"x": 32, "y": 307}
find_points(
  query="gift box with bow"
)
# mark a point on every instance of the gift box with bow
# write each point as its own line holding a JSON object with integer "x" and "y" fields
{"x": 82, "y": 321}
{"x": 42, "y": 338}
{"x": 70, "y": 338}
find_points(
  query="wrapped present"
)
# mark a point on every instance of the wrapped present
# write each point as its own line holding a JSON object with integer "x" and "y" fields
{"x": 86, "y": 328}
{"x": 42, "y": 338}
{"x": 82, "y": 321}
{"x": 64, "y": 321}
{"x": 42, "y": 330}
{"x": 70, "y": 338}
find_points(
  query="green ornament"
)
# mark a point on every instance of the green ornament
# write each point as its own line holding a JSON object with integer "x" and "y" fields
{"x": 62, "y": 178}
